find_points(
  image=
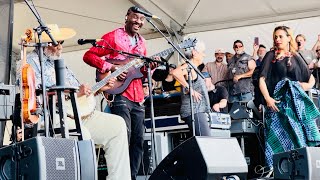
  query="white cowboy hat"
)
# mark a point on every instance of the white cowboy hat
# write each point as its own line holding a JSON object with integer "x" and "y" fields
{"x": 58, "y": 34}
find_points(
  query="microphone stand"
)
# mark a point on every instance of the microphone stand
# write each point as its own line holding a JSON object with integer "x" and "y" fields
{"x": 190, "y": 67}
{"x": 147, "y": 63}
{"x": 39, "y": 47}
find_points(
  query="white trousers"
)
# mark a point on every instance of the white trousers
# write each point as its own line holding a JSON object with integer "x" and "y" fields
{"x": 110, "y": 131}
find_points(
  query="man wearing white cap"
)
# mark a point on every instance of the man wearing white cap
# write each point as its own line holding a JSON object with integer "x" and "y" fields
{"x": 106, "y": 129}
{"x": 217, "y": 69}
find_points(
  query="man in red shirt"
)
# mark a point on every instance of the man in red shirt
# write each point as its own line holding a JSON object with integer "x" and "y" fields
{"x": 127, "y": 104}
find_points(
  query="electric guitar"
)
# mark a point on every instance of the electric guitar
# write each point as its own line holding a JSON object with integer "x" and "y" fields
{"x": 134, "y": 73}
{"x": 87, "y": 104}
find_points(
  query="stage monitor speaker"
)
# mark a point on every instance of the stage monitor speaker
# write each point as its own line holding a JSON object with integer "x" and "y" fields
{"x": 48, "y": 158}
{"x": 88, "y": 160}
{"x": 302, "y": 163}
{"x": 203, "y": 158}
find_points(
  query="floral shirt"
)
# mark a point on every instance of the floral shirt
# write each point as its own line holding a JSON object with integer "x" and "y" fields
{"x": 49, "y": 71}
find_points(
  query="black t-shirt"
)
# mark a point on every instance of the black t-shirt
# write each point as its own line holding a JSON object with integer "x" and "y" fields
{"x": 168, "y": 86}
{"x": 277, "y": 70}
{"x": 216, "y": 96}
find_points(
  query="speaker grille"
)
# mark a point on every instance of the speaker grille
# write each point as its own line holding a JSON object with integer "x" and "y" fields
{"x": 61, "y": 160}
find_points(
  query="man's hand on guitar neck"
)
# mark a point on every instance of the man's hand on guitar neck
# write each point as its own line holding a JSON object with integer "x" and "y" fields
{"x": 84, "y": 89}
{"x": 154, "y": 65}
{"x": 109, "y": 85}
{"x": 122, "y": 76}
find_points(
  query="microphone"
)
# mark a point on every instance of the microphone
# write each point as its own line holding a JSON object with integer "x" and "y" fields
{"x": 139, "y": 10}
{"x": 86, "y": 41}
{"x": 60, "y": 69}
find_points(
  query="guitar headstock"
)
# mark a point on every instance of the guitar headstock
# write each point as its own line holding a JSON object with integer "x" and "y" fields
{"x": 188, "y": 43}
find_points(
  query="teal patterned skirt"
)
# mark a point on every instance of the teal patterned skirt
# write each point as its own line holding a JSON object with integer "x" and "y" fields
{"x": 294, "y": 126}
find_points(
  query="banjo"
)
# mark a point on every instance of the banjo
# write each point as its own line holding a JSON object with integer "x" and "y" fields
{"x": 87, "y": 104}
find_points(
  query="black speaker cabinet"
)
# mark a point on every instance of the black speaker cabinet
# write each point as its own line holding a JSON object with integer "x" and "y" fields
{"x": 48, "y": 158}
{"x": 201, "y": 158}
{"x": 253, "y": 147}
{"x": 302, "y": 163}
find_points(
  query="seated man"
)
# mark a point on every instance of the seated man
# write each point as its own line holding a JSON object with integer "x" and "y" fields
{"x": 106, "y": 129}
{"x": 218, "y": 96}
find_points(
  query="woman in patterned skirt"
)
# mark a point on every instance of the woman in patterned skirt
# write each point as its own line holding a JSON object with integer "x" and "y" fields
{"x": 290, "y": 114}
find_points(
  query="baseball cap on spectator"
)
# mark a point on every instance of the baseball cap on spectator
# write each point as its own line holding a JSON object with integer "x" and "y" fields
{"x": 219, "y": 50}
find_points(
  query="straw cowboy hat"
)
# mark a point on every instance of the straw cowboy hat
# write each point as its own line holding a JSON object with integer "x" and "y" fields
{"x": 58, "y": 34}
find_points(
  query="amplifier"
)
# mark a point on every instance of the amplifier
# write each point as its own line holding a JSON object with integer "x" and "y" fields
{"x": 148, "y": 162}
{"x": 7, "y": 97}
{"x": 244, "y": 126}
{"x": 166, "y": 123}
{"x": 219, "y": 120}
{"x": 49, "y": 159}
{"x": 302, "y": 163}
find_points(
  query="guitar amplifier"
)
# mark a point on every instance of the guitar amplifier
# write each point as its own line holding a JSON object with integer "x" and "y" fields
{"x": 244, "y": 126}
{"x": 166, "y": 123}
{"x": 219, "y": 120}
{"x": 7, "y": 97}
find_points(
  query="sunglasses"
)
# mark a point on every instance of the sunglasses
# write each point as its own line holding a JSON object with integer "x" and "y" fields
{"x": 237, "y": 46}
{"x": 59, "y": 42}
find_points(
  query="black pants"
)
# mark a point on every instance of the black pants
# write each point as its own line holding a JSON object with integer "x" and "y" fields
{"x": 133, "y": 113}
{"x": 201, "y": 124}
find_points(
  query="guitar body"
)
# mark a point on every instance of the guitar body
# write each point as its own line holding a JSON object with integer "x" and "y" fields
{"x": 120, "y": 86}
{"x": 29, "y": 102}
{"x": 86, "y": 106}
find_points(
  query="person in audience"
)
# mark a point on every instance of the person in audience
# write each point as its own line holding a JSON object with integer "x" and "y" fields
{"x": 217, "y": 69}
{"x": 229, "y": 55}
{"x": 169, "y": 84}
{"x": 240, "y": 69}
{"x": 201, "y": 103}
{"x": 260, "y": 51}
{"x": 317, "y": 44}
{"x": 318, "y": 55}
{"x": 218, "y": 96}
{"x": 316, "y": 72}
{"x": 106, "y": 129}
{"x": 308, "y": 56}
{"x": 290, "y": 114}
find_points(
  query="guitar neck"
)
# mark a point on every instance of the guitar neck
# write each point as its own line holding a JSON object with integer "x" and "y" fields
{"x": 164, "y": 53}
{"x": 116, "y": 73}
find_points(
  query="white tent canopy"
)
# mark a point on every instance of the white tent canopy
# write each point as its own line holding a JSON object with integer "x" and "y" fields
{"x": 91, "y": 19}
{"x": 217, "y": 23}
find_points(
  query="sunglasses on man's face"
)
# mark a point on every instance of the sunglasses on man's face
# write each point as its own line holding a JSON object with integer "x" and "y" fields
{"x": 59, "y": 42}
{"x": 237, "y": 47}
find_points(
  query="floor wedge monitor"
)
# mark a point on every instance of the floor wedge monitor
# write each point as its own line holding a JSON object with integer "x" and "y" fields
{"x": 203, "y": 158}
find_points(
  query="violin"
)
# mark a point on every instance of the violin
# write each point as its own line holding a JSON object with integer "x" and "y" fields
{"x": 28, "y": 85}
